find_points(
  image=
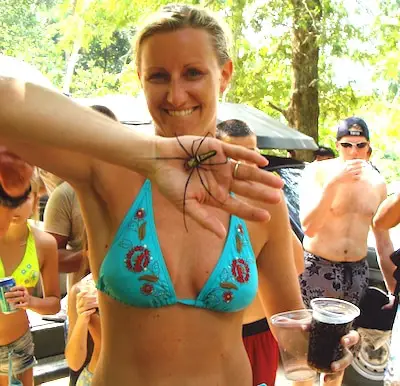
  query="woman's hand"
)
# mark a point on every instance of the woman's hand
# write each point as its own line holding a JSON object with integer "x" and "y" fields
{"x": 19, "y": 296}
{"x": 86, "y": 305}
{"x": 212, "y": 180}
{"x": 348, "y": 341}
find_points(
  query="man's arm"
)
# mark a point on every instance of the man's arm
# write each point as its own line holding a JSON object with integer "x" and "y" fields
{"x": 315, "y": 201}
{"x": 388, "y": 214}
{"x": 68, "y": 261}
{"x": 384, "y": 249}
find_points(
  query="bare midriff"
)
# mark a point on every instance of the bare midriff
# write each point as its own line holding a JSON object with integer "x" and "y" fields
{"x": 169, "y": 346}
{"x": 13, "y": 326}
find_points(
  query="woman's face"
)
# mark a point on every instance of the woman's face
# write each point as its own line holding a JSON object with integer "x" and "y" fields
{"x": 182, "y": 81}
{"x": 16, "y": 216}
{"x": 24, "y": 211}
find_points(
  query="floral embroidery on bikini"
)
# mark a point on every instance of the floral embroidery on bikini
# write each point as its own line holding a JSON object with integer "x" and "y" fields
{"x": 228, "y": 296}
{"x": 138, "y": 260}
{"x": 147, "y": 289}
{"x": 237, "y": 272}
{"x": 240, "y": 270}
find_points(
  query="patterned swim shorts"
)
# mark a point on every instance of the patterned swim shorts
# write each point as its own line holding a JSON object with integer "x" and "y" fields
{"x": 341, "y": 280}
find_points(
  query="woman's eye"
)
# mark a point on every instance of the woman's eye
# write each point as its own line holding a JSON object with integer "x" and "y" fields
{"x": 158, "y": 76}
{"x": 192, "y": 73}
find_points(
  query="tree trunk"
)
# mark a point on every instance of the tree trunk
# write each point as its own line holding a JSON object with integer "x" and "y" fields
{"x": 303, "y": 111}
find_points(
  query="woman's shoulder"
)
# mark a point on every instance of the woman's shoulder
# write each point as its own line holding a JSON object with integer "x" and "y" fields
{"x": 43, "y": 240}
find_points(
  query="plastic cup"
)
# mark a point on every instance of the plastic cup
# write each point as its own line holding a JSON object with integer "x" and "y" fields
{"x": 292, "y": 340}
{"x": 331, "y": 319}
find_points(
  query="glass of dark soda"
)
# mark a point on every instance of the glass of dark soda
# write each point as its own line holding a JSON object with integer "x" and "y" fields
{"x": 331, "y": 320}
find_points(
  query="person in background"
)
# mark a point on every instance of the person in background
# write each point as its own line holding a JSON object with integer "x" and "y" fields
{"x": 84, "y": 332}
{"x": 63, "y": 220}
{"x": 26, "y": 254}
{"x": 323, "y": 153}
{"x": 338, "y": 199}
{"x": 259, "y": 342}
{"x": 15, "y": 175}
{"x": 388, "y": 216}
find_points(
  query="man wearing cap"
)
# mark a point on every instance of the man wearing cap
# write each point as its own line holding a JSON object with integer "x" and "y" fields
{"x": 338, "y": 199}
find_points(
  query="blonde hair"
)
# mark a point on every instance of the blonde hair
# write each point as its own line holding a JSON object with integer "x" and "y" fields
{"x": 36, "y": 184}
{"x": 174, "y": 17}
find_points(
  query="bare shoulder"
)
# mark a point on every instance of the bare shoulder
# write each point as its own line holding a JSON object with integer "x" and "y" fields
{"x": 73, "y": 292}
{"x": 44, "y": 241}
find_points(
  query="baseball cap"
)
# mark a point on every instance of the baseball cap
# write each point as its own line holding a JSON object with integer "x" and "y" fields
{"x": 353, "y": 126}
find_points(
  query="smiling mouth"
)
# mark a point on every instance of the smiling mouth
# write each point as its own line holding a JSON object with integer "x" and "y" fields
{"x": 180, "y": 113}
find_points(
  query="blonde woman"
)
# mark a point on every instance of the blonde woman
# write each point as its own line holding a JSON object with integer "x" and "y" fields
{"x": 171, "y": 297}
{"x": 26, "y": 254}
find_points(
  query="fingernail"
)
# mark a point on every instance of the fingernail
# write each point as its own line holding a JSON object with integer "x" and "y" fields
{"x": 335, "y": 367}
{"x": 346, "y": 341}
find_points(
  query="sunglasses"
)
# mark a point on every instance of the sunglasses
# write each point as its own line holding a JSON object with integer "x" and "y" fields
{"x": 348, "y": 145}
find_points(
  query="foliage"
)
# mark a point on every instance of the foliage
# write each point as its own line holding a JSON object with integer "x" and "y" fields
{"x": 94, "y": 38}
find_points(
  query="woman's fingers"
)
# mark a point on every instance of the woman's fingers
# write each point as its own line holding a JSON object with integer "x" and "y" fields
{"x": 348, "y": 341}
{"x": 241, "y": 171}
{"x": 256, "y": 191}
{"x": 239, "y": 152}
{"x": 199, "y": 214}
{"x": 243, "y": 209}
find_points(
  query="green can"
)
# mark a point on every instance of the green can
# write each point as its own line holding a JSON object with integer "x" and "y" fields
{"x": 5, "y": 285}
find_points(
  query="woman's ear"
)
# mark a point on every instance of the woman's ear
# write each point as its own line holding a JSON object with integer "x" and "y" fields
{"x": 226, "y": 76}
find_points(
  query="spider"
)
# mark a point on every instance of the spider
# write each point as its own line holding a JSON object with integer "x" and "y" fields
{"x": 194, "y": 162}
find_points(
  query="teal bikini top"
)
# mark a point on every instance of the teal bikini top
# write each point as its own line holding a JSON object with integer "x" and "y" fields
{"x": 134, "y": 271}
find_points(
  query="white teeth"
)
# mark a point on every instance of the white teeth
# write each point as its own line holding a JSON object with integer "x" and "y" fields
{"x": 180, "y": 113}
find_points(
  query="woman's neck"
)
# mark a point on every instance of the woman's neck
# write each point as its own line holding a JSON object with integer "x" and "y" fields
{"x": 16, "y": 233}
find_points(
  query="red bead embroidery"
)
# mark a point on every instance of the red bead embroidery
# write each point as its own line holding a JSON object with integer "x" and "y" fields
{"x": 227, "y": 296}
{"x": 240, "y": 270}
{"x": 137, "y": 259}
{"x": 240, "y": 228}
{"x": 147, "y": 289}
{"x": 140, "y": 213}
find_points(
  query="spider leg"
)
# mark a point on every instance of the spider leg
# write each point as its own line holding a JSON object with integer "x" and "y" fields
{"x": 183, "y": 147}
{"x": 201, "y": 142}
{"x": 205, "y": 186}
{"x": 184, "y": 200}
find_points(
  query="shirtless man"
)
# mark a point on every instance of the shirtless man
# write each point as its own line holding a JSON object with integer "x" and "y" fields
{"x": 259, "y": 342}
{"x": 338, "y": 200}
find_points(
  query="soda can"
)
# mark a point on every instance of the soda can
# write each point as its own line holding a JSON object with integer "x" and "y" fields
{"x": 6, "y": 284}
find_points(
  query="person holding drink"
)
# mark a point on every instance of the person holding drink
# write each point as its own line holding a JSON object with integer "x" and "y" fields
{"x": 338, "y": 199}
{"x": 26, "y": 254}
{"x": 165, "y": 287}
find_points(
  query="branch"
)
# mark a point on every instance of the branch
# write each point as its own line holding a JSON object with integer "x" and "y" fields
{"x": 277, "y": 108}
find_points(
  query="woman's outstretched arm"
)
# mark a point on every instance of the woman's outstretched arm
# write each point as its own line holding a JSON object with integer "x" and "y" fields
{"x": 51, "y": 131}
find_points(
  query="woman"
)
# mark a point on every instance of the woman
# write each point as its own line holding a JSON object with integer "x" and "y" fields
{"x": 15, "y": 176}
{"x": 83, "y": 320}
{"x": 171, "y": 308}
{"x": 26, "y": 253}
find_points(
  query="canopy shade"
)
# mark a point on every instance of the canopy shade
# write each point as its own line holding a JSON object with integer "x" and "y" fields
{"x": 271, "y": 134}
